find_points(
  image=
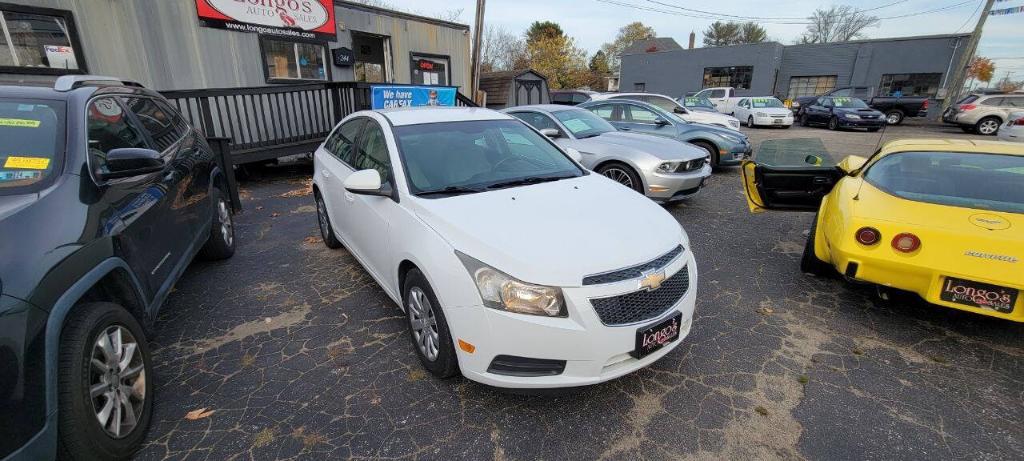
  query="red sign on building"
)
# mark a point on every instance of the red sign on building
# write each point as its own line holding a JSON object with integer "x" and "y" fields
{"x": 294, "y": 18}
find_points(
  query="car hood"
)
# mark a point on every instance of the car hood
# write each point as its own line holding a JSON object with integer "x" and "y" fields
{"x": 618, "y": 142}
{"x": 554, "y": 233}
{"x": 713, "y": 117}
{"x": 863, "y": 111}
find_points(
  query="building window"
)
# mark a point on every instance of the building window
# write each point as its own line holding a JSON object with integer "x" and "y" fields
{"x": 287, "y": 60}
{"x": 737, "y": 77}
{"x": 39, "y": 41}
{"x": 811, "y": 86}
{"x": 910, "y": 85}
{"x": 372, "y": 53}
{"x": 640, "y": 87}
{"x": 428, "y": 69}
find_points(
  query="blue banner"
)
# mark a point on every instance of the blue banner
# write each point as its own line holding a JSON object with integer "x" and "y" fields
{"x": 388, "y": 97}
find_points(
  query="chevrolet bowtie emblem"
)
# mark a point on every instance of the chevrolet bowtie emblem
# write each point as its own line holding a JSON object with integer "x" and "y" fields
{"x": 651, "y": 280}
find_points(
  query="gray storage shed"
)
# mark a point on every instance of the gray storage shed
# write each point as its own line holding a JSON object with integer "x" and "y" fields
{"x": 514, "y": 88}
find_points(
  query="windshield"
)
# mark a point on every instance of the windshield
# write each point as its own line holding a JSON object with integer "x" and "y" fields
{"x": 583, "y": 123}
{"x": 31, "y": 143}
{"x": 849, "y": 103}
{"x": 764, "y": 103}
{"x": 697, "y": 103}
{"x": 982, "y": 181}
{"x": 476, "y": 155}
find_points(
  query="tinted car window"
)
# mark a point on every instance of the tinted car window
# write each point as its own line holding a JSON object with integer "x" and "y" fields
{"x": 561, "y": 98}
{"x": 477, "y": 154}
{"x": 341, "y": 141}
{"x": 31, "y": 142}
{"x": 641, "y": 115}
{"x": 970, "y": 180}
{"x": 538, "y": 121}
{"x": 995, "y": 102}
{"x": 1013, "y": 101}
{"x": 717, "y": 94}
{"x": 847, "y": 92}
{"x": 580, "y": 98}
{"x": 373, "y": 151}
{"x": 110, "y": 129}
{"x": 606, "y": 112}
{"x": 157, "y": 120}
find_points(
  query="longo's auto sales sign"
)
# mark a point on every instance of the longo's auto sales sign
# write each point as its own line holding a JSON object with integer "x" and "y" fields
{"x": 293, "y": 18}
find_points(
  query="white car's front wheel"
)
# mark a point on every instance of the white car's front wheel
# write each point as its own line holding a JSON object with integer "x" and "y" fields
{"x": 750, "y": 121}
{"x": 428, "y": 328}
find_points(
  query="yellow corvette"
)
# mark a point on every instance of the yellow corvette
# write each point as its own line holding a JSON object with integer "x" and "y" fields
{"x": 943, "y": 219}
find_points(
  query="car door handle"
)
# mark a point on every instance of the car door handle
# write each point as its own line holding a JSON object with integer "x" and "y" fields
{"x": 821, "y": 180}
{"x": 625, "y": 128}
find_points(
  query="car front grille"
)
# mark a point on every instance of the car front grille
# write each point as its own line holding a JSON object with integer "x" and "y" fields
{"x": 632, "y": 272}
{"x": 642, "y": 305}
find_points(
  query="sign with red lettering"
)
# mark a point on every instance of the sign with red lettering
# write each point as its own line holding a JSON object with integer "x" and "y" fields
{"x": 290, "y": 18}
{"x": 425, "y": 65}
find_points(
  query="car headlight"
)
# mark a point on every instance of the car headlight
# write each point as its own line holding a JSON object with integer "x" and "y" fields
{"x": 501, "y": 291}
{"x": 668, "y": 167}
{"x": 730, "y": 138}
{"x": 853, "y": 116}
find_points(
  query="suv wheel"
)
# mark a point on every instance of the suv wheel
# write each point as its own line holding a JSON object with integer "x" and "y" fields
{"x": 221, "y": 243}
{"x": 104, "y": 397}
{"x": 894, "y": 117}
{"x": 987, "y": 126}
{"x": 428, "y": 328}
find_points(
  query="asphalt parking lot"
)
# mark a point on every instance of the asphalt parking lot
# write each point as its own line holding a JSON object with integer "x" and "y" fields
{"x": 291, "y": 351}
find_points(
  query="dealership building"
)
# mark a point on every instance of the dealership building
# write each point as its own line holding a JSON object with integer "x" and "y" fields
{"x": 195, "y": 44}
{"x": 911, "y": 66}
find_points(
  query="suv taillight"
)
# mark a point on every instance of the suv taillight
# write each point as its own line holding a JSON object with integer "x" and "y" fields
{"x": 967, "y": 107}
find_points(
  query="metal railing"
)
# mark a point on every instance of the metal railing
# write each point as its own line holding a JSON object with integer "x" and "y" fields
{"x": 268, "y": 122}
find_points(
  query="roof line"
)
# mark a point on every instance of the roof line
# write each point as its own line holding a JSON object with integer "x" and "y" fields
{"x": 866, "y": 40}
{"x": 399, "y": 14}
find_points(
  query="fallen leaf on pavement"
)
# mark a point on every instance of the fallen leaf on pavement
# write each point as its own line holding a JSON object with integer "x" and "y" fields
{"x": 198, "y": 414}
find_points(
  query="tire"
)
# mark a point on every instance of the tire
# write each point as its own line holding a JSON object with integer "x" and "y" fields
{"x": 833, "y": 123}
{"x": 803, "y": 120}
{"x": 988, "y": 126}
{"x": 81, "y": 436}
{"x": 433, "y": 343}
{"x": 712, "y": 150}
{"x": 221, "y": 242}
{"x": 894, "y": 117}
{"x": 809, "y": 262}
{"x": 324, "y": 222}
{"x": 622, "y": 174}
{"x": 750, "y": 121}
{"x": 786, "y": 127}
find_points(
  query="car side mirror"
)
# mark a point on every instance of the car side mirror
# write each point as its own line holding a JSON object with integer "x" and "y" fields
{"x": 660, "y": 122}
{"x": 679, "y": 110}
{"x": 551, "y": 133}
{"x": 131, "y": 161}
{"x": 367, "y": 182}
{"x": 813, "y": 160}
{"x": 852, "y": 164}
{"x": 574, "y": 154}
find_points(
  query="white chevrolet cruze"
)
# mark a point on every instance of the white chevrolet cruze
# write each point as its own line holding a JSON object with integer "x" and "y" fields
{"x": 513, "y": 264}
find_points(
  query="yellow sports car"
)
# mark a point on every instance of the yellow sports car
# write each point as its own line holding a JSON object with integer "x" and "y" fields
{"x": 943, "y": 219}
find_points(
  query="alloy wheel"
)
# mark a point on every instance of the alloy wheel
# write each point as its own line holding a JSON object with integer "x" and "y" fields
{"x": 424, "y": 323}
{"x": 893, "y": 118}
{"x": 619, "y": 176}
{"x": 988, "y": 127}
{"x": 117, "y": 381}
{"x": 226, "y": 224}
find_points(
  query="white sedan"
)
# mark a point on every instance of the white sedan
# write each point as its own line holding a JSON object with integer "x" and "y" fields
{"x": 766, "y": 111}
{"x": 1013, "y": 129}
{"x": 513, "y": 264}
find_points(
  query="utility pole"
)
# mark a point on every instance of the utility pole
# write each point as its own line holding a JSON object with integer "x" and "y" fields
{"x": 953, "y": 91}
{"x": 478, "y": 32}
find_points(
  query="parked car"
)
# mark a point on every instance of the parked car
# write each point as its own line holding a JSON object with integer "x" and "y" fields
{"x": 726, "y": 147}
{"x": 841, "y": 112}
{"x": 724, "y": 98}
{"x": 895, "y": 108}
{"x": 941, "y": 219}
{"x": 106, "y": 194}
{"x": 513, "y": 264}
{"x": 697, "y": 104}
{"x": 1013, "y": 130}
{"x": 677, "y": 110}
{"x": 571, "y": 97}
{"x": 663, "y": 169}
{"x": 764, "y": 112}
{"x": 983, "y": 114}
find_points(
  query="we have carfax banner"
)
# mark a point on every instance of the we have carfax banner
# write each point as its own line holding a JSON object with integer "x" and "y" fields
{"x": 388, "y": 97}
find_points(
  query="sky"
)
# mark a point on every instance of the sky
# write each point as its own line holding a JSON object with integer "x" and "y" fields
{"x": 592, "y": 22}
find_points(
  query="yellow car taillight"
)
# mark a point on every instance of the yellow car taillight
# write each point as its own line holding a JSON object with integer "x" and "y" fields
{"x": 868, "y": 235}
{"x": 906, "y": 242}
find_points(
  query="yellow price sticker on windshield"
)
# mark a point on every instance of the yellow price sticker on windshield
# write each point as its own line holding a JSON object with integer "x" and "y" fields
{"x": 19, "y": 123}
{"x": 27, "y": 163}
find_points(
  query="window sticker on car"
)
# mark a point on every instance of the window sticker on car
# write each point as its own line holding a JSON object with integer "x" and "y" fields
{"x": 841, "y": 101}
{"x": 19, "y": 175}
{"x": 27, "y": 163}
{"x": 20, "y": 123}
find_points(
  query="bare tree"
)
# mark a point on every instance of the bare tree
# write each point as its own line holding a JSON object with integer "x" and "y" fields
{"x": 502, "y": 50}
{"x": 837, "y": 24}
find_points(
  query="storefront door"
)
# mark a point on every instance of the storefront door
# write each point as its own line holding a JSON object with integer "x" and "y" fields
{"x": 372, "y": 58}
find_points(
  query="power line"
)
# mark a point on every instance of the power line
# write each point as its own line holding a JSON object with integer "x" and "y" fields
{"x": 766, "y": 17}
{"x": 968, "y": 21}
{"x": 701, "y": 14}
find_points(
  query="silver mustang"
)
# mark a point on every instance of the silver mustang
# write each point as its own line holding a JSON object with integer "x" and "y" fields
{"x": 663, "y": 169}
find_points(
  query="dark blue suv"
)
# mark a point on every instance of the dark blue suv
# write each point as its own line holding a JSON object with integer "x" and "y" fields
{"x": 106, "y": 194}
